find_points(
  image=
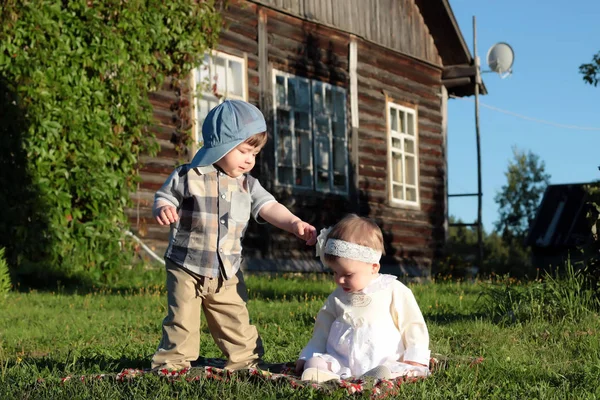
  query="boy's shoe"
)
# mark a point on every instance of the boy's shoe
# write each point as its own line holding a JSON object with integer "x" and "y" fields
{"x": 318, "y": 375}
{"x": 379, "y": 372}
{"x": 170, "y": 368}
{"x": 256, "y": 364}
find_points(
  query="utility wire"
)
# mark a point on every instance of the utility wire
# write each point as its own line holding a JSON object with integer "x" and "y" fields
{"x": 525, "y": 117}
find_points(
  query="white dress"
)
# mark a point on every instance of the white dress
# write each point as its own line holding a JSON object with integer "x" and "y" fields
{"x": 381, "y": 325}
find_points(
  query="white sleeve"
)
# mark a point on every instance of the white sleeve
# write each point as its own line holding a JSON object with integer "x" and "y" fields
{"x": 318, "y": 342}
{"x": 411, "y": 324}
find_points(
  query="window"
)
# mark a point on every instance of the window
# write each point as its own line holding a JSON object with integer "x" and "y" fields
{"x": 403, "y": 163}
{"x": 311, "y": 144}
{"x": 220, "y": 77}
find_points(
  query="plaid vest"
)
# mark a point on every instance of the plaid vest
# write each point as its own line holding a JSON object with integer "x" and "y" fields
{"x": 214, "y": 210}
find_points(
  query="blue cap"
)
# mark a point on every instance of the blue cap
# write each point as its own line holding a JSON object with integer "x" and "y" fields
{"x": 227, "y": 125}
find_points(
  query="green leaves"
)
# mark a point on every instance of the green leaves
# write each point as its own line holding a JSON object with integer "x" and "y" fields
{"x": 526, "y": 181}
{"x": 591, "y": 71}
{"x": 5, "y": 283}
{"x": 75, "y": 78}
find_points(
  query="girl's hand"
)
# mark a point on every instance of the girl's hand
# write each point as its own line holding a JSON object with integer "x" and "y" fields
{"x": 167, "y": 215}
{"x": 300, "y": 367}
{"x": 415, "y": 369}
{"x": 416, "y": 364}
{"x": 305, "y": 231}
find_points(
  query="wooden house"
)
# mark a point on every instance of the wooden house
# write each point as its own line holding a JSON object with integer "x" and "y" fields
{"x": 355, "y": 94}
{"x": 561, "y": 229}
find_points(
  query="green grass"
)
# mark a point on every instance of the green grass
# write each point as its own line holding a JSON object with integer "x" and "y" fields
{"x": 46, "y": 336}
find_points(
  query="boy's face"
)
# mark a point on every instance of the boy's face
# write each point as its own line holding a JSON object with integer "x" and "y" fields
{"x": 239, "y": 161}
{"x": 351, "y": 275}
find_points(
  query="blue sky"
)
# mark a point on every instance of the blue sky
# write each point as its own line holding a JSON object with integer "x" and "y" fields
{"x": 550, "y": 40}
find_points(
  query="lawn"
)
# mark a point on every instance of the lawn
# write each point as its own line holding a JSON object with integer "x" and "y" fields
{"x": 47, "y": 336}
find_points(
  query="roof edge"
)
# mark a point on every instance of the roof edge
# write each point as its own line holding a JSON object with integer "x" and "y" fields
{"x": 454, "y": 22}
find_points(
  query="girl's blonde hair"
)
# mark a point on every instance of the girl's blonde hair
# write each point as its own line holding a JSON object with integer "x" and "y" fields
{"x": 358, "y": 230}
{"x": 258, "y": 140}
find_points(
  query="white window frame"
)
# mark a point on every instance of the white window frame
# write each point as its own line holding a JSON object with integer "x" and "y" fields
{"x": 402, "y": 135}
{"x": 203, "y": 89}
{"x": 331, "y": 139}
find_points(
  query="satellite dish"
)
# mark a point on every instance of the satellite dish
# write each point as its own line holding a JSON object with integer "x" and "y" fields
{"x": 500, "y": 58}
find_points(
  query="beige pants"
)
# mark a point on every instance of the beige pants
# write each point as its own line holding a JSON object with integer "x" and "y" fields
{"x": 224, "y": 305}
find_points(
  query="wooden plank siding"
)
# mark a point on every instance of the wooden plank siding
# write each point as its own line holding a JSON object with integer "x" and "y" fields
{"x": 311, "y": 39}
{"x": 314, "y": 51}
{"x": 395, "y": 24}
{"x": 412, "y": 235}
{"x": 169, "y": 104}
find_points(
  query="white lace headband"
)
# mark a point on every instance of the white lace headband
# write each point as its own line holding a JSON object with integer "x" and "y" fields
{"x": 341, "y": 248}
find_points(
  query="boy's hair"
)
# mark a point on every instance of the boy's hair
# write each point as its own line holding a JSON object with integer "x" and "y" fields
{"x": 258, "y": 140}
{"x": 358, "y": 230}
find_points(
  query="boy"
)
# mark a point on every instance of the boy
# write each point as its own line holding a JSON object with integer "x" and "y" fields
{"x": 209, "y": 203}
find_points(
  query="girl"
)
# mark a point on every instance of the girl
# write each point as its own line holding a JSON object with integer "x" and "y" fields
{"x": 371, "y": 324}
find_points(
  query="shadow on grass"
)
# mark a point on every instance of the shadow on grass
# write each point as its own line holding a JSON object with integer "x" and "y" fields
{"x": 53, "y": 281}
{"x": 73, "y": 364}
{"x": 101, "y": 364}
{"x": 134, "y": 279}
{"x": 68, "y": 285}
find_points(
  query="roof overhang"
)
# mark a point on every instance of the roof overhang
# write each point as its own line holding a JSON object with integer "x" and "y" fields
{"x": 459, "y": 66}
{"x": 560, "y": 220}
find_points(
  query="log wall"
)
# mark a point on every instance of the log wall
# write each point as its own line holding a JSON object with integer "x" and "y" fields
{"x": 270, "y": 39}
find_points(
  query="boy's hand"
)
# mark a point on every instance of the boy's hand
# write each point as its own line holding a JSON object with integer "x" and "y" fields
{"x": 305, "y": 231}
{"x": 300, "y": 367}
{"x": 167, "y": 215}
{"x": 277, "y": 214}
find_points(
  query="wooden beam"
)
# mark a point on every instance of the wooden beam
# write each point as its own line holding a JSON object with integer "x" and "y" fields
{"x": 458, "y": 71}
{"x": 263, "y": 59}
{"x": 463, "y": 194}
{"x": 455, "y": 82}
{"x": 354, "y": 114}
{"x": 445, "y": 155}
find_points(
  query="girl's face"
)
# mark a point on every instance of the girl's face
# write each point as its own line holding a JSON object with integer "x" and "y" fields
{"x": 239, "y": 161}
{"x": 351, "y": 275}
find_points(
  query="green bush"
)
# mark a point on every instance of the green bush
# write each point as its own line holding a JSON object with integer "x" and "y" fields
{"x": 5, "y": 283}
{"x": 591, "y": 249}
{"x": 74, "y": 84}
{"x": 458, "y": 258}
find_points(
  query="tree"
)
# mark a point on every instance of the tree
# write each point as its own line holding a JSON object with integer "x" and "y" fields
{"x": 459, "y": 254}
{"x": 75, "y": 78}
{"x": 518, "y": 200}
{"x": 591, "y": 71}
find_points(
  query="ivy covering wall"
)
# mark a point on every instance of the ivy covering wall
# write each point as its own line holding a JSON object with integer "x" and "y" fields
{"x": 74, "y": 112}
